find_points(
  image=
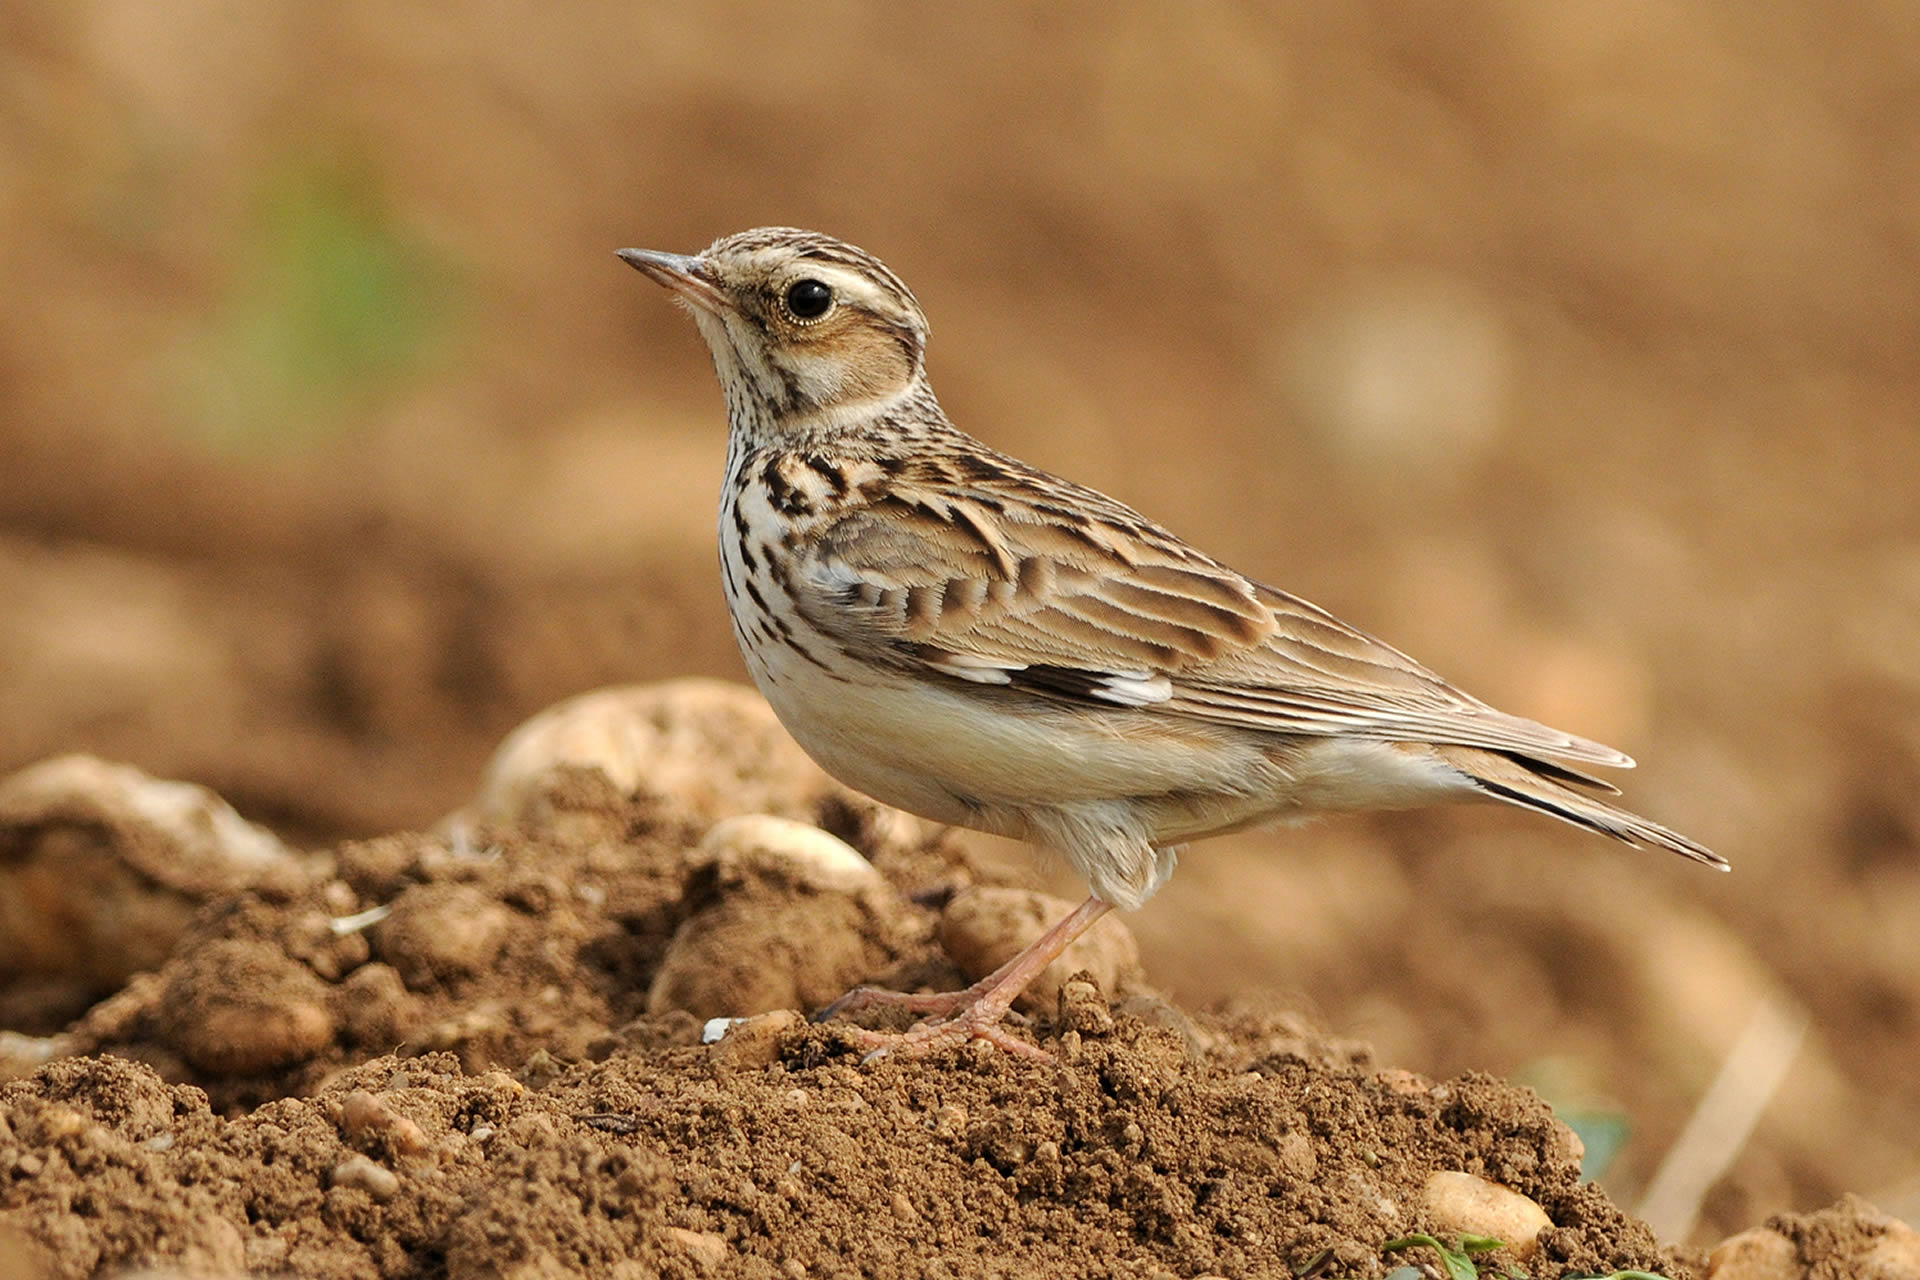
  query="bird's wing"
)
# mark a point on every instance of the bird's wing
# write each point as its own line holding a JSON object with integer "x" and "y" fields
{"x": 998, "y": 575}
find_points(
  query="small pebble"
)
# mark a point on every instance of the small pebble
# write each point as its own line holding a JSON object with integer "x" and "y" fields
{"x": 1293, "y": 1151}
{"x": 1461, "y": 1203}
{"x": 358, "y": 1171}
{"x": 1403, "y": 1082}
{"x": 367, "y": 1115}
{"x": 756, "y": 1041}
{"x": 795, "y": 852}
{"x": 706, "y": 1248}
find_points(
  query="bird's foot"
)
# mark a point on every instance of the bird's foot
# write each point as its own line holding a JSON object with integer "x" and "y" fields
{"x": 979, "y": 1022}
{"x": 955, "y": 1017}
{"x": 972, "y": 1014}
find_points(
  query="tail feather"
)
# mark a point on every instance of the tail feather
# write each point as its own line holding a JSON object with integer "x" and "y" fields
{"x": 1537, "y": 785}
{"x": 1561, "y": 773}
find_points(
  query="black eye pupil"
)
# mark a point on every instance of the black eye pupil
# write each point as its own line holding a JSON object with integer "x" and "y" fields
{"x": 809, "y": 299}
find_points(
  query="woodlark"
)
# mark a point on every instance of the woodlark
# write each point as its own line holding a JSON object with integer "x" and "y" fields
{"x": 965, "y": 637}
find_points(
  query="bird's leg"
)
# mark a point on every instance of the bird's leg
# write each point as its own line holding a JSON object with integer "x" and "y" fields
{"x": 975, "y": 1013}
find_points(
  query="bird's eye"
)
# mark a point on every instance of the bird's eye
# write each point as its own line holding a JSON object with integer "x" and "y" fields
{"x": 808, "y": 299}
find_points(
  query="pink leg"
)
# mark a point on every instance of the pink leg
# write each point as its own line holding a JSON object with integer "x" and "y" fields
{"x": 975, "y": 1013}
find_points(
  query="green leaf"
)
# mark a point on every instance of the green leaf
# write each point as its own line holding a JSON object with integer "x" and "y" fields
{"x": 1458, "y": 1265}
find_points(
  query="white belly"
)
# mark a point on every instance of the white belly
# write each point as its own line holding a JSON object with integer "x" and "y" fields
{"x": 955, "y": 755}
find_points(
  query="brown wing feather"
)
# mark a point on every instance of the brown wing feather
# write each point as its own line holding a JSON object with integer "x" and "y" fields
{"x": 1004, "y": 568}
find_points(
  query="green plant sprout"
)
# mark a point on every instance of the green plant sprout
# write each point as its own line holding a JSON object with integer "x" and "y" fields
{"x": 1459, "y": 1262}
{"x": 1464, "y": 1261}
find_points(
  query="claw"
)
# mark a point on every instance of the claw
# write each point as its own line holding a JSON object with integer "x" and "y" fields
{"x": 973, "y": 1014}
{"x": 930, "y": 1038}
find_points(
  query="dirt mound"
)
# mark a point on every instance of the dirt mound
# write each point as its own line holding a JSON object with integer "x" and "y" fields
{"x": 479, "y": 1052}
{"x": 1132, "y": 1154}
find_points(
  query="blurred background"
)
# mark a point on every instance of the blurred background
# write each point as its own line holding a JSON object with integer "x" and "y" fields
{"x": 1570, "y": 347}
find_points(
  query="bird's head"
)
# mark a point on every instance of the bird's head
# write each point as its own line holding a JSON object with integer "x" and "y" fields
{"x": 807, "y": 332}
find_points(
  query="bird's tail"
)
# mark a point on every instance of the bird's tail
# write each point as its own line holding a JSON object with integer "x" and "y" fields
{"x": 1545, "y": 788}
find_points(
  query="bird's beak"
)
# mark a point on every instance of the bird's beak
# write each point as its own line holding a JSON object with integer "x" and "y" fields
{"x": 687, "y": 277}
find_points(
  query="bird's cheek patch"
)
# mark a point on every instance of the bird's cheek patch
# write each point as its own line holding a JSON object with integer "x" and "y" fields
{"x": 874, "y": 362}
{"x": 816, "y": 377}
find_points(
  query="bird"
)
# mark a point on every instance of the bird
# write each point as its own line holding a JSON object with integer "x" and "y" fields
{"x": 971, "y": 639}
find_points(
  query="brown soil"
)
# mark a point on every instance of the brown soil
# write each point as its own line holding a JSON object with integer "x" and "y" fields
{"x": 480, "y": 1053}
{"x": 1131, "y": 1157}
{"x": 540, "y": 1122}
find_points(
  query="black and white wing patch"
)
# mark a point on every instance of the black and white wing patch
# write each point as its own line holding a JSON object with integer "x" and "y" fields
{"x": 1113, "y": 688}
